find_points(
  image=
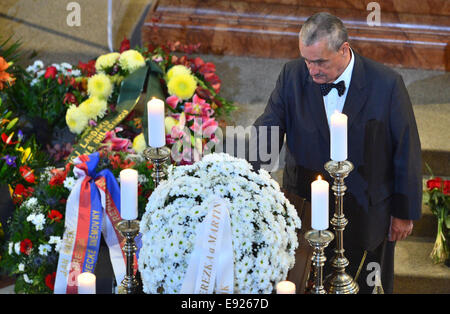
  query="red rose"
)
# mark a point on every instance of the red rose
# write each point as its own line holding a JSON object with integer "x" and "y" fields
{"x": 434, "y": 183}
{"x": 55, "y": 215}
{"x": 26, "y": 246}
{"x": 447, "y": 187}
{"x": 50, "y": 280}
{"x": 124, "y": 45}
{"x": 51, "y": 72}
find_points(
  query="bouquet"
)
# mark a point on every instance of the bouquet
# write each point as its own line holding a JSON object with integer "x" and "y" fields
{"x": 37, "y": 226}
{"x": 437, "y": 197}
{"x": 263, "y": 224}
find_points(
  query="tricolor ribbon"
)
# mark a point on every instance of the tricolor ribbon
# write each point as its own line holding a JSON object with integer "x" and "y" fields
{"x": 211, "y": 263}
{"x": 92, "y": 209}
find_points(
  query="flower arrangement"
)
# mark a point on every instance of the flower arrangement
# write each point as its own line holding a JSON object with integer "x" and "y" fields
{"x": 19, "y": 157}
{"x": 263, "y": 224}
{"x": 36, "y": 228}
{"x": 437, "y": 197}
{"x": 42, "y": 94}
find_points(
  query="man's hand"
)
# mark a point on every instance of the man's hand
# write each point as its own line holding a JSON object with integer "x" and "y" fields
{"x": 400, "y": 229}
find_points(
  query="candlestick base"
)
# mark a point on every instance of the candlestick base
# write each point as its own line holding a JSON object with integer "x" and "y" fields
{"x": 129, "y": 229}
{"x": 319, "y": 240}
{"x": 158, "y": 157}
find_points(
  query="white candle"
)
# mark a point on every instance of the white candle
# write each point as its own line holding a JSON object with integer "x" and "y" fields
{"x": 285, "y": 287}
{"x": 338, "y": 136}
{"x": 319, "y": 204}
{"x": 86, "y": 283}
{"x": 129, "y": 194}
{"x": 156, "y": 128}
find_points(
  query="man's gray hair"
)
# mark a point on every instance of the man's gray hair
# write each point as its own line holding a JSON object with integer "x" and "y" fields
{"x": 322, "y": 25}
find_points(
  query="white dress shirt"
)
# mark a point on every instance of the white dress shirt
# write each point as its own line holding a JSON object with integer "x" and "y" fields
{"x": 333, "y": 101}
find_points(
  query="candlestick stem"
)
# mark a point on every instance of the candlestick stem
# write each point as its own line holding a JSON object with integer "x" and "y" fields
{"x": 158, "y": 157}
{"x": 339, "y": 282}
{"x": 319, "y": 240}
{"x": 129, "y": 229}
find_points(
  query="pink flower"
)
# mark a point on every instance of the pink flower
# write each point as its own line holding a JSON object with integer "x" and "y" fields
{"x": 172, "y": 101}
{"x": 114, "y": 143}
{"x": 198, "y": 107}
{"x": 206, "y": 126}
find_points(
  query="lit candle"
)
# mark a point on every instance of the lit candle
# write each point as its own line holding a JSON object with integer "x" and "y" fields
{"x": 338, "y": 136}
{"x": 319, "y": 204}
{"x": 86, "y": 283}
{"x": 128, "y": 194}
{"x": 156, "y": 128}
{"x": 285, "y": 287}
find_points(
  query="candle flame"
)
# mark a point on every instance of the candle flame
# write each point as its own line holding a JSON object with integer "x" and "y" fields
{"x": 319, "y": 178}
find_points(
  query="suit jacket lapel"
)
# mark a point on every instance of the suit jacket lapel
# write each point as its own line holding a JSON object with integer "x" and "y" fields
{"x": 317, "y": 108}
{"x": 356, "y": 97}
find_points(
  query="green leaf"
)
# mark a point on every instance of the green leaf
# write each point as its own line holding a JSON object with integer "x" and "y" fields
{"x": 12, "y": 123}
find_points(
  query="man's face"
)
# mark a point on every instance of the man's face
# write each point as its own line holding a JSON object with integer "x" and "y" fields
{"x": 325, "y": 65}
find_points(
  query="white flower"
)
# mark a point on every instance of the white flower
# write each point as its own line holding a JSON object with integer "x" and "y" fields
{"x": 27, "y": 279}
{"x": 263, "y": 224}
{"x": 69, "y": 183}
{"x": 17, "y": 248}
{"x": 38, "y": 220}
{"x": 21, "y": 267}
{"x": 57, "y": 241}
{"x": 31, "y": 202}
{"x": 44, "y": 249}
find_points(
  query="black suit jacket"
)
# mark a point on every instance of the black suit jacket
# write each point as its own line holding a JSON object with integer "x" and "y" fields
{"x": 383, "y": 145}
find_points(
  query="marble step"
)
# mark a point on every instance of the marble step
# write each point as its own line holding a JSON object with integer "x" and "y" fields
{"x": 405, "y": 37}
{"x": 414, "y": 272}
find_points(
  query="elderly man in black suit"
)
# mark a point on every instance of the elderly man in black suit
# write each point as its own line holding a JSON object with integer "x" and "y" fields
{"x": 385, "y": 187}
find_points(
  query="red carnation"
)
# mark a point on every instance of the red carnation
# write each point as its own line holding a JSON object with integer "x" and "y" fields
{"x": 50, "y": 280}
{"x": 55, "y": 215}
{"x": 447, "y": 187}
{"x": 434, "y": 183}
{"x": 124, "y": 45}
{"x": 51, "y": 72}
{"x": 26, "y": 246}
{"x": 88, "y": 69}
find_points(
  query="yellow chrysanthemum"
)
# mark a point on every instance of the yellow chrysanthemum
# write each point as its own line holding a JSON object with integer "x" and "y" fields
{"x": 76, "y": 120}
{"x": 106, "y": 61}
{"x": 139, "y": 144}
{"x": 100, "y": 86}
{"x": 177, "y": 70}
{"x": 131, "y": 60}
{"x": 93, "y": 108}
{"x": 183, "y": 86}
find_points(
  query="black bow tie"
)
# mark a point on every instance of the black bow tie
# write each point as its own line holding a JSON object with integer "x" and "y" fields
{"x": 326, "y": 88}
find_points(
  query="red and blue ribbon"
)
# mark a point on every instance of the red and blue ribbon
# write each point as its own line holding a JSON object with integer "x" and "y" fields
{"x": 93, "y": 209}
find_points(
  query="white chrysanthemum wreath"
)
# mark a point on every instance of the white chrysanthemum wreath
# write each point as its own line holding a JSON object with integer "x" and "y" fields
{"x": 263, "y": 224}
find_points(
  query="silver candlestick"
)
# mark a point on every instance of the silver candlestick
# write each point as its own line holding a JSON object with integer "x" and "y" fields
{"x": 158, "y": 157}
{"x": 129, "y": 229}
{"x": 319, "y": 240}
{"x": 339, "y": 282}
